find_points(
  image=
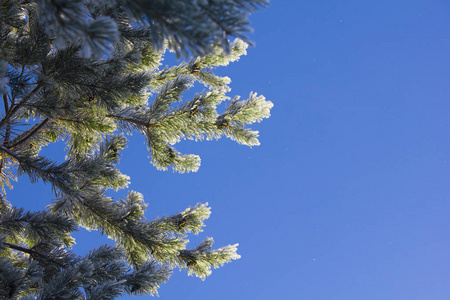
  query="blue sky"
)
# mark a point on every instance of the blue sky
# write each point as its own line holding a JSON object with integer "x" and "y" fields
{"x": 348, "y": 195}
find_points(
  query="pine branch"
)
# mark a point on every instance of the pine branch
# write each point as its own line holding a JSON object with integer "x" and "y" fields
{"x": 16, "y": 107}
{"x": 58, "y": 71}
{"x": 27, "y": 134}
{"x": 33, "y": 252}
{"x": 131, "y": 120}
{"x": 8, "y": 125}
{"x": 121, "y": 231}
{"x": 217, "y": 22}
{"x": 5, "y": 103}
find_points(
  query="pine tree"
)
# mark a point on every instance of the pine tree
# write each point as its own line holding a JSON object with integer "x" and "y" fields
{"x": 87, "y": 74}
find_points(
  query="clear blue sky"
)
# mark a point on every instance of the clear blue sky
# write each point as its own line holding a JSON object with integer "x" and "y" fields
{"x": 348, "y": 196}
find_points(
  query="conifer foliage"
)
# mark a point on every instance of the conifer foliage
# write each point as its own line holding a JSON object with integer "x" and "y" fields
{"x": 88, "y": 73}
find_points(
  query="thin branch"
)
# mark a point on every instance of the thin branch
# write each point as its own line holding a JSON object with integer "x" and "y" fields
{"x": 50, "y": 176}
{"x": 217, "y": 22}
{"x": 5, "y": 103}
{"x": 15, "y": 107}
{"x": 8, "y": 125}
{"x": 33, "y": 252}
{"x": 130, "y": 120}
{"x": 149, "y": 125}
{"x": 27, "y": 134}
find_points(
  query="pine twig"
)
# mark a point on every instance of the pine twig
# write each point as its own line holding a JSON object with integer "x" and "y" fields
{"x": 27, "y": 134}
{"x": 33, "y": 252}
{"x": 8, "y": 125}
{"x": 15, "y": 107}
